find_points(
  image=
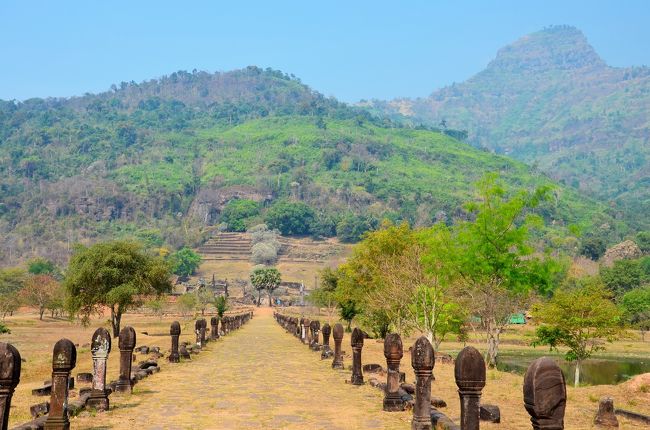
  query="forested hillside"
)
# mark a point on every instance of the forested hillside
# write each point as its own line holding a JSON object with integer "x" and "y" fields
{"x": 163, "y": 159}
{"x": 548, "y": 99}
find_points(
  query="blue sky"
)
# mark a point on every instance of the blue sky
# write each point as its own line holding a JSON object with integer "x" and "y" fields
{"x": 347, "y": 49}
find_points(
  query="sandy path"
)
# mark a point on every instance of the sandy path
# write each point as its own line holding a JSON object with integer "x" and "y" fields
{"x": 257, "y": 377}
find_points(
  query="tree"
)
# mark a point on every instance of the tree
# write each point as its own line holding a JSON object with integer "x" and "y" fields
{"x": 39, "y": 291}
{"x": 12, "y": 281}
{"x": 237, "y": 212}
{"x": 636, "y": 307}
{"x": 265, "y": 278}
{"x": 220, "y": 303}
{"x": 623, "y": 276}
{"x": 578, "y": 319}
{"x": 291, "y": 218}
{"x": 642, "y": 239}
{"x": 593, "y": 247}
{"x": 325, "y": 295}
{"x": 348, "y": 310}
{"x": 117, "y": 275}
{"x": 187, "y": 303}
{"x": 351, "y": 228}
{"x": 204, "y": 297}
{"x": 491, "y": 261}
{"x": 185, "y": 262}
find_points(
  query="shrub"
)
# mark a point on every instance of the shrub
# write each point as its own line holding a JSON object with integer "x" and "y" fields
{"x": 352, "y": 227}
{"x": 264, "y": 253}
{"x": 237, "y": 212}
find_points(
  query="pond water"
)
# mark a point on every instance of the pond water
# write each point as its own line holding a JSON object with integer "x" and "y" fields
{"x": 597, "y": 371}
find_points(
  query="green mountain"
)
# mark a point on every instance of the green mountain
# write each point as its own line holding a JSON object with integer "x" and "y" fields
{"x": 548, "y": 99}
{"x": 161, "y": 159}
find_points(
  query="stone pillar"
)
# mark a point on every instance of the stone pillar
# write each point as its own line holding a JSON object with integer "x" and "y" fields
{"x": 315, "y": 329}
{"x": 64, "y": 359}
{"x": 203, "y": 327}
{"x": 357, "y": 345}
{"x": 126, "y": 343}
{"x": 100, "y": 348}
{"x": 605, "y": 417}
{"x": 175, "y": 332}
{"x": 326, "y": 341}
{"x": 214, "y": 328}
{"x": 469, "y": 371}
{"x": 197, "y": 332}
{"x": 337, "y": 333}
{"x": 9, "y": 379}
{"x": 422, "y": 360}
{"x": 393, "y": 351}
{"x": 545, "y": 394}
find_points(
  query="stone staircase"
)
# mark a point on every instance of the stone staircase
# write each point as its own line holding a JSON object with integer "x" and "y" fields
{"x": 227, "y": 246}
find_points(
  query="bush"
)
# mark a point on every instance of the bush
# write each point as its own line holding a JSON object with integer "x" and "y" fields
{"x": 264, "y": 253}
{"x": 237, "y": 212}
{"x": 4, "y": 329}
{"x": 593, "y": 248}
{"x": 324, "y": 226}
{"x": 185, "y": 261}
{"x": 290, "y": 218}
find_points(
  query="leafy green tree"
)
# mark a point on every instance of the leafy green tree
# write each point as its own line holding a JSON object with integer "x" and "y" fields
{"x": 578, "y": 319}
{"x": 220, "y": 303}
{"x": 348, "y": 310}
{"x": 623, "y": 276}
{"x": 492, "y": 261}
{"x": 636, "y": 307}
{"x": 265, "y": 278}
{"x": 291, "y": 218}
{"x": 593, "y": 247}
{"x": 156, "y": 306}
{"x": 204, "y": 297}
{"x": 185, "y": 262}
{"x": 12, "y": 280}
{"x": 642, "y": 239}
{"x": 117, "y": 275}
{"x": 237, "y": 212}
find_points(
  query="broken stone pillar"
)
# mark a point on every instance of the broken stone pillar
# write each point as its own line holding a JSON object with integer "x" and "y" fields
{"x": 315, "y": 329}
{"x": 9, "y": 378}
{"x": 175, "y": 332}
{"x": 202, "y": 330}
{"x": 306, "y": 335}
{"x": 326, "y": 350}
{"x": 126, "y": 344}
{"x": 197, "y": 332}
{"x": 337, "y": 333}
{"x": 64, "y": 359}
{"x": 605, "y": 416}
{"x": 422, "y": 359}
{"x": 393, "y": 351}
{"x": 357, "y": 345}
{"x": 214, "y": 328}
{"x": 100, "y": 348}
{"x": 470, "y": 379}
{"x": 545, "y": 394}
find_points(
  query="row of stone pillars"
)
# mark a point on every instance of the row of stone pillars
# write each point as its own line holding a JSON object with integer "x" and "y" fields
{"x": 544, "y": 386}
{"x": 64, "y": 360}
{"x": 218, "y": 327}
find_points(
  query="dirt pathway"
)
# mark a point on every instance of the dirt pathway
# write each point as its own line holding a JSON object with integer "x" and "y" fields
{"x": 257, "y": 377}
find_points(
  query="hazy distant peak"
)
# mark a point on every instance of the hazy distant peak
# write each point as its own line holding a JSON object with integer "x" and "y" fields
{"x": 559, "y": 47}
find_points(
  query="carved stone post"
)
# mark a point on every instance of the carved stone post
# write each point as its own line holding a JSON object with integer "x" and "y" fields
{"x": 393, "y": 351}
{"x": 9, "y": 379}
{"x": 470, "y": 379}
{"x": 545, "y": 394}
{"x": 326, "y": 351}
{"x": 175, "y": 332}
{"x": 337, "y": 333}
{"x": 64, "y": 359}
{"x": 357, "y": 346}
{"x": 126, "y": 343}
{"x": 214, "y": 328}
{"x": 315, "y": 329}
{"x": 100, "y": 348}
{"x": 204, "y": 326}
{"x": 306, "y": 335}
{"x": 422, "y": 360}
{"x": 197, "y": 332}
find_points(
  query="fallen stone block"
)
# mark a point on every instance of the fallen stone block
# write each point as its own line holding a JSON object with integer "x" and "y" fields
{"x": 39, "y": 409}
{"x": 85, "y": 377}
{"x": 440, "y": 421}
{"x": 490, "y": 413}
{"x": 437, "y": 402}
{"x": 372, "y": 368}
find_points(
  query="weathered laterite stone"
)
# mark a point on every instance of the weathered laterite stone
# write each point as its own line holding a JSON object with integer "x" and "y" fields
{"x": 337, "y": 333}
{"x": 314, "y": 326}
{"x": 545, "y": 394}
{"x": 422, "y": 359}
{"x": 307, "y": 335}
{"x": 469, "y": 371}
{"x": 214, "y": 328}
{"x": 174, "y": 332}
{"x": 393, "y": 351}
{"x": 126, "y": 343}
{"x": 605, "y": 416}
{"x": 9, "y": 379}
{"x": 100, "y": 348}
{"x": 64, "y": 359}
{"x": 356, "y": 341}
{"x": 326, "y": 351}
